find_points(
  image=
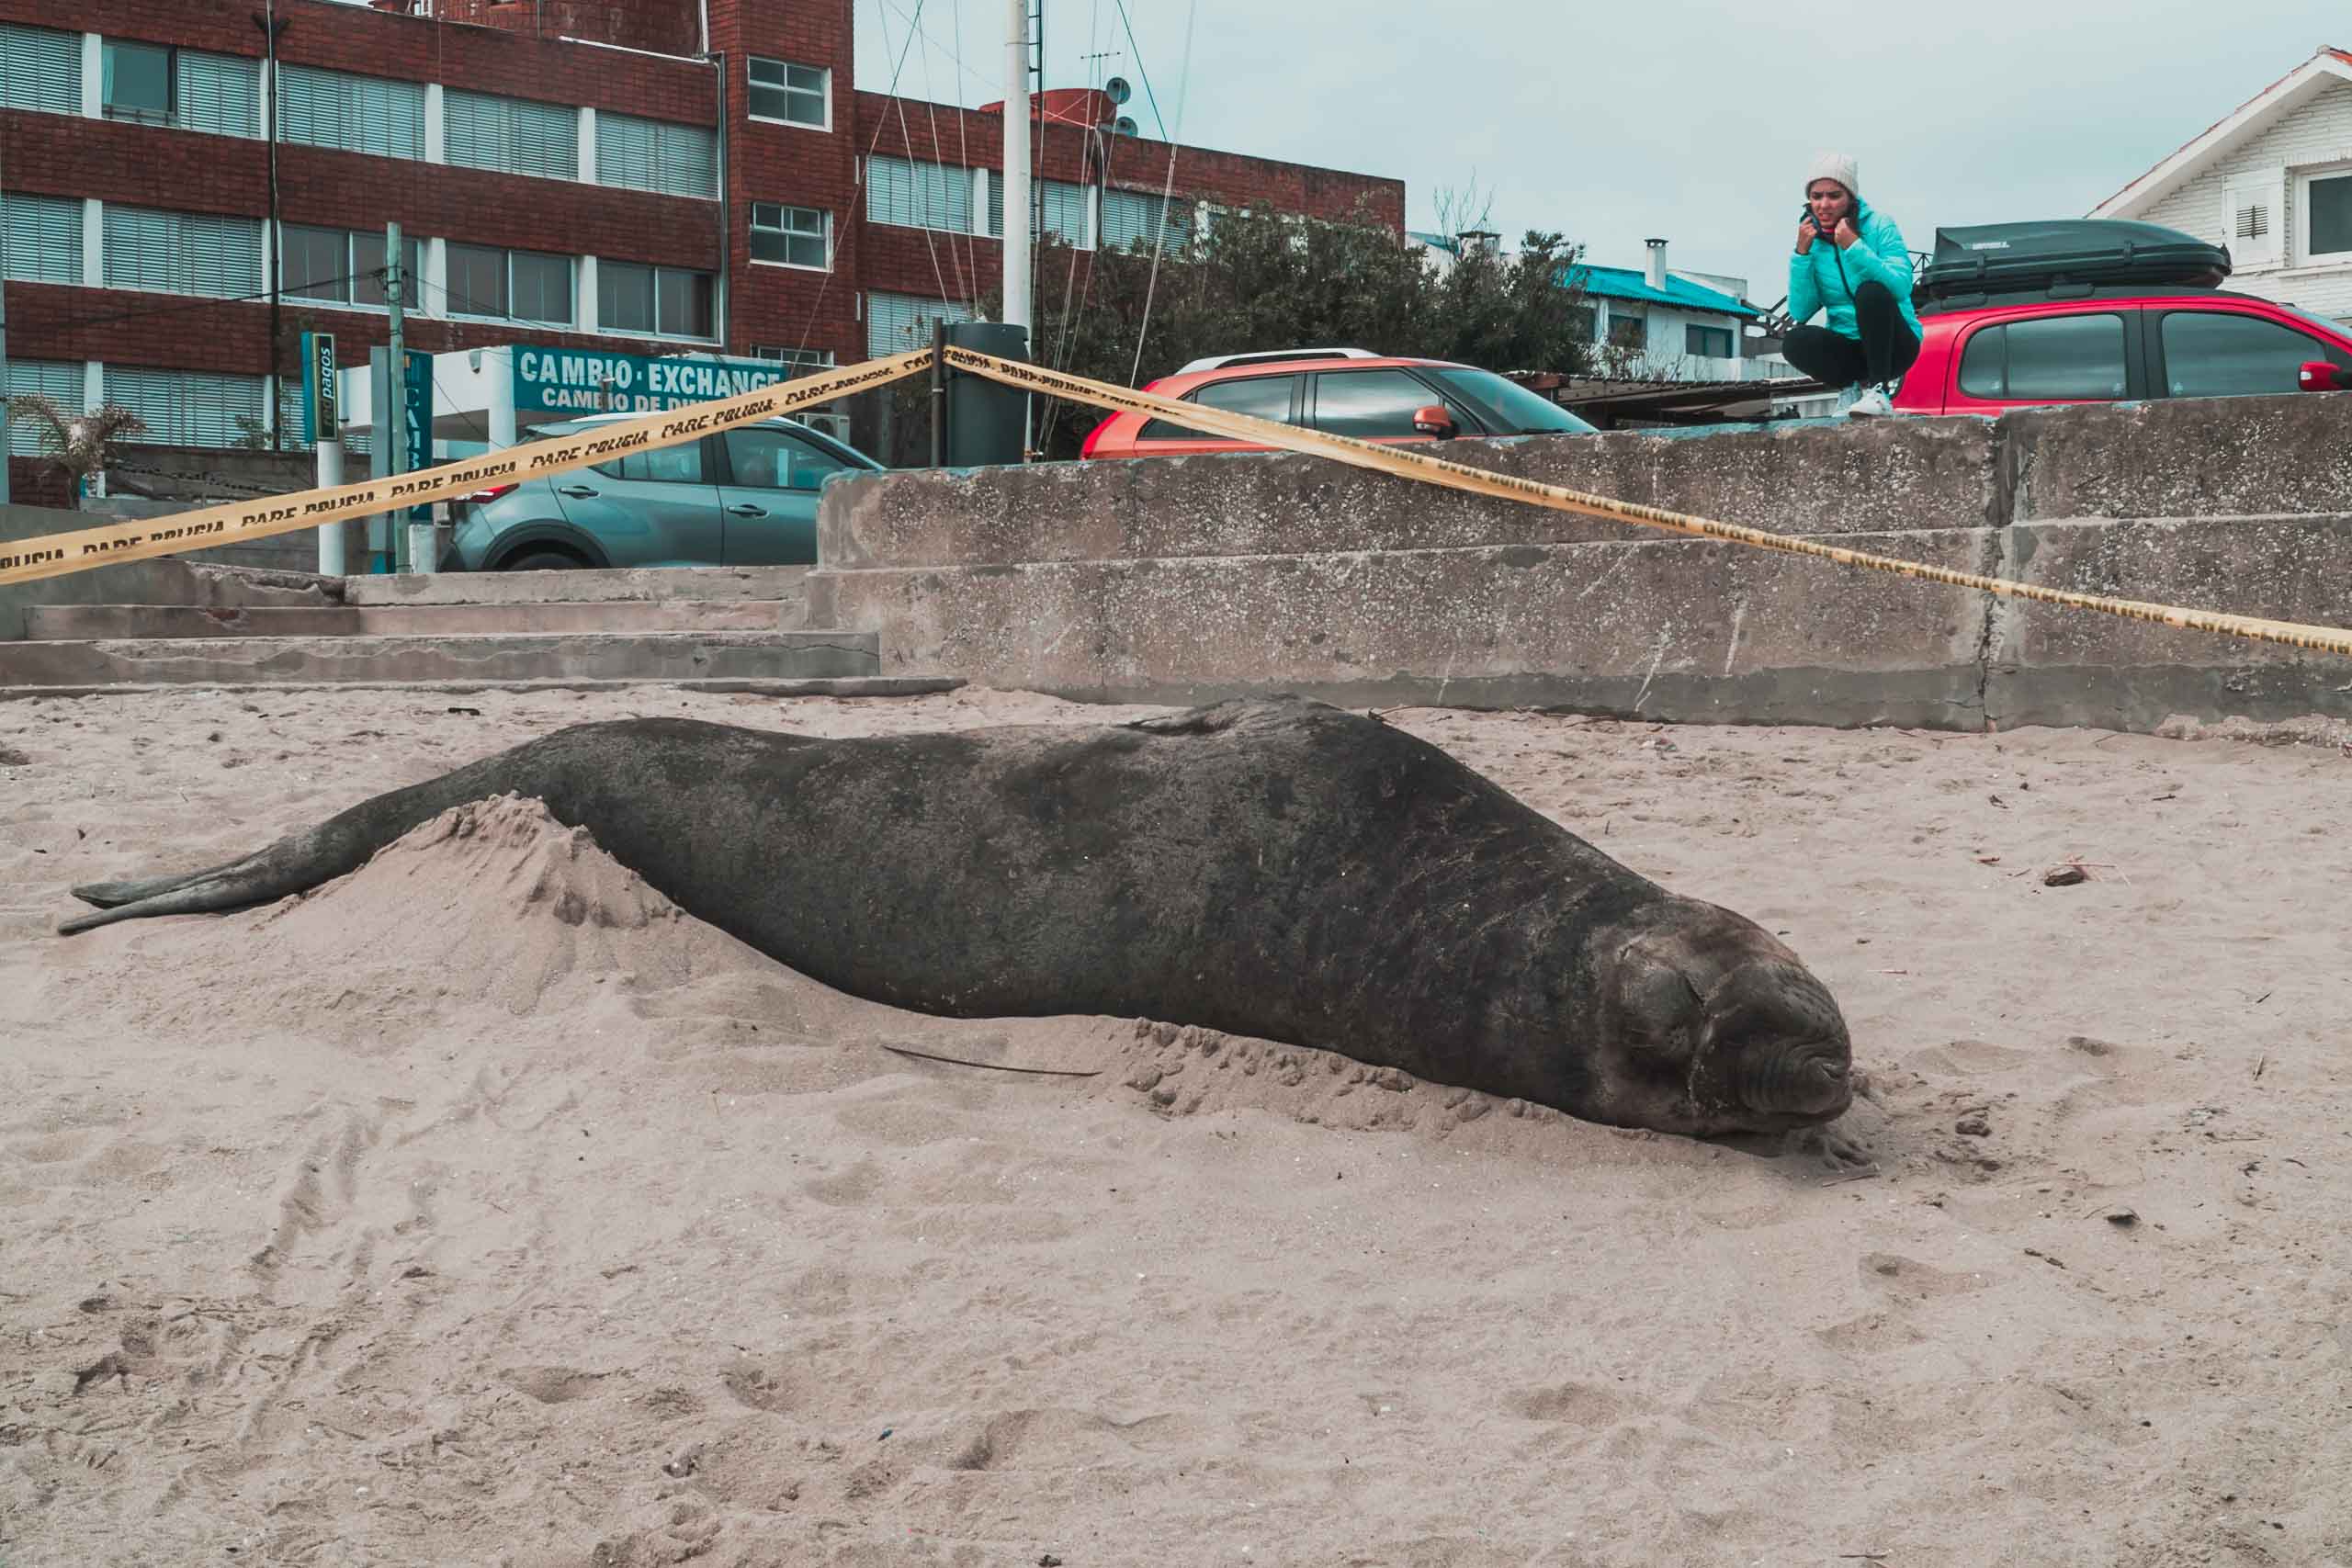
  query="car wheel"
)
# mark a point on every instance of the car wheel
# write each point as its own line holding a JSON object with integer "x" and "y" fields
{"x": 545, "y": 560}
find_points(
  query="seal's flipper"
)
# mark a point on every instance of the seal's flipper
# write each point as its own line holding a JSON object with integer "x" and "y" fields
{"x": 111, "y": 895}
{"x": 207, "y": 893}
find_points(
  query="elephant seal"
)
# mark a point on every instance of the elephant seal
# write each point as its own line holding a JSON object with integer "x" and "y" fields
{"x": 1271, "y": 867}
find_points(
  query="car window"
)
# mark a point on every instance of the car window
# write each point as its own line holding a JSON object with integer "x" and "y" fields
{"x": 679, "y": 465}
{"x": 2221, "y": 354}
{"x": 1512, "y": 406}
{"x": 1369, "y": 405}
{"x": 1262, "y": 397}
{"x": 774, "y": 459}
{"x": 2055, "y": 357}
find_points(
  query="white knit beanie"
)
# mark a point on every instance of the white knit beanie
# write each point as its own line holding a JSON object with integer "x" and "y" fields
{"x": 1838, "y": 167}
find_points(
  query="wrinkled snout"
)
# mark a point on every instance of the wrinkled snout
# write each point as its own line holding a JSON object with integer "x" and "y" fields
{"x": 1779, "y": 1043}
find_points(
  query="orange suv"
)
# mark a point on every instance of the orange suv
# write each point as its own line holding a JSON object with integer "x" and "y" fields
{"x": 1347, "y": 391}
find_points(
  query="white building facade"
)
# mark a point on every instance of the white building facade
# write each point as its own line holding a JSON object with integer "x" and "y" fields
{"x": 2273, "y": 182}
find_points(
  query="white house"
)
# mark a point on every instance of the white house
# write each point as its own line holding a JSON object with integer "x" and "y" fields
{"x": 2273, "y": 181}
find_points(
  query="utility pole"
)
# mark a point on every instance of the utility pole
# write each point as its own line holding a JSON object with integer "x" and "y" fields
{"x": 1016, "y": 164}
{"x": 395, "y": 409}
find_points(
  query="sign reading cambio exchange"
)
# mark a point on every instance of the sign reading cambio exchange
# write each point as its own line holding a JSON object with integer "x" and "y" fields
{"x": 571, "y": 381}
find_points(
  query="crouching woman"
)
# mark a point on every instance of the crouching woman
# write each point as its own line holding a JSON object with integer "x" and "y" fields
{"x": 1850, "y": 261}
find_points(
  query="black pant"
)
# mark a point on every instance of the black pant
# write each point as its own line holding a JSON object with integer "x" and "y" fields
{"x": 1886, "y": 351}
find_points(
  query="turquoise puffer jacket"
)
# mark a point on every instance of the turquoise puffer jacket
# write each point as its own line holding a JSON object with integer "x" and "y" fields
{"x": 1826, "y": 275}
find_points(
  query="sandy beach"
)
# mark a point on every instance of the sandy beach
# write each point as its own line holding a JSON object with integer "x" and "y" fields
{"x": 481, "y": 1208}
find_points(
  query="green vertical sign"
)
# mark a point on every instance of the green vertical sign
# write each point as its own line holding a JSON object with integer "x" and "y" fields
{"x": 321, "y": 416}
{"x": 416, "y": 388}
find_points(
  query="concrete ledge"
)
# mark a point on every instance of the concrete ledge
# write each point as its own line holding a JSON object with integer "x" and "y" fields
{"x": 845, "y": 687}
{"x": 2193, "y": 458}
{"x": 1921, "y": 474}
{"x": 60, "y": 622}
{"x": 649, "y": 655}
{"x": 638, "y": 583}
{"x": 1653, "y": 629}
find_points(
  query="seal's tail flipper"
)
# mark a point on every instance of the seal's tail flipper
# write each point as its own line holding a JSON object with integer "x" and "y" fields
{"x": 204, "y": 891}
{"x": 111, "y": 895}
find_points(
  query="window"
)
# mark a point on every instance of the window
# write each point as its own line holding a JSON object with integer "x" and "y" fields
{"x": 183, "y": 253}
{"x": 2215, "y": 353}
{"x": 1261, "y": 396}
{"x": 791, "y": 236}
{"x": 898, "y": 322}
{"x": 796, "y": 95}
{"x": 60, "y": 382}
{"x": 1369, "y": 405}
{"x": 1504, "y": 404}
{"x": 187, "y": 408}
{"x": 1587, "y": 320}
{"x": 1130, "y": 218}
{"x": 40, "y": 68}
{"x": 665, "y": 301}
{"x": 40, "y": 239}
{"x": 656, "y": 156}
{"x": 353, "y": 114}
{"x": 512, "y": 136}
{"x": 1061, "y": 205}
{"x": 2056, "y": 357}
{"x": 344, "y": 266}
{"x": 156, "y": 84}
{"x": 919, "y": 196}
{"x": 797, "y": 362}
{"x": 766, "y": 458}
{"x": 139, "y": 81}
{"x": 521, "y": 286}
{"x": 2327, "y": 216}
{"x": 1708, "y": 343}
{"x": 1628, "y": 332}
{"x": 679, "y": 465}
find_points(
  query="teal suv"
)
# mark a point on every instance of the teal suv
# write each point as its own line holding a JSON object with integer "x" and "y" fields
{"x": 743, "y": 497}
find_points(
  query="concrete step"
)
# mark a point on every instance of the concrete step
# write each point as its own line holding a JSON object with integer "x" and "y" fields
{"x": 748, "y": 685}
{"x": 494, "y": 659}
{"x": 696, "y": 582}
{"x": 59, "y": 623}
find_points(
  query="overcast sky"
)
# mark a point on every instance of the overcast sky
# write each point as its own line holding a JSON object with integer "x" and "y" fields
{"x": 1693, "y": 119}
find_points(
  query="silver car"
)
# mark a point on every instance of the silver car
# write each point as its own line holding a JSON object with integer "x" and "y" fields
{"x": 743, "y": 497}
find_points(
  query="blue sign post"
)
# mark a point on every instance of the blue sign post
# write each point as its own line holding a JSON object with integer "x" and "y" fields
{"x": 320, "y": 414}
{"x": 416, "y": 388}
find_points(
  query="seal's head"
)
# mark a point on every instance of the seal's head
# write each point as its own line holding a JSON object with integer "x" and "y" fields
{"x": 1709, "y": 1025}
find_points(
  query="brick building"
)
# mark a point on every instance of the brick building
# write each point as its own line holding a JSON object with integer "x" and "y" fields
{"x": 652, "y": 175}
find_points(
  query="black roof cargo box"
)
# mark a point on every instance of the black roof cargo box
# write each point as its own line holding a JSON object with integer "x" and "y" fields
{"x": 2061, "y": 256}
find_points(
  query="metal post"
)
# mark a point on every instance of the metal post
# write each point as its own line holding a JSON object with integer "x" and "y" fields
{"x": 331, "y": 563}
{"x": 395, "y": 408}
{"x": 939, "y": 392}
{"x": 1016, "y": 166}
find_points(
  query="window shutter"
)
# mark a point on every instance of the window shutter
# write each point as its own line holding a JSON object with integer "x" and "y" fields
{"x": 40, "y": 68}
{"x": 2252, "y": 216}
{"x": 1065, "y": 211}
{"x": 625, "y": 152}
{"x": 141, "y": 248}
{"x": 58, "y": 381}
{"x": 224, "y": 254}
{"x": 353, "y": 114}
{"x": 475, "y": 131}
{"x": 311, "y": 108}
{"x": 219, "y": 93}
{"x": 547, "y": 141}
{"x": 185, "y": 408}
{"x": 898, "y": 322}
{"x": 42, "y": 240}
{"x": 686, "y": 160}
{"x": 889, "y": 191}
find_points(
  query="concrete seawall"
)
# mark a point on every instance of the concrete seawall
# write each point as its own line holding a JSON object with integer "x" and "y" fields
{"x": 1176, "y": 579}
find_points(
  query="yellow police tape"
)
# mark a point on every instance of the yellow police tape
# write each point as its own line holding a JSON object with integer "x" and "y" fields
{"x": 1414, "y": 464}
{"x": 55, "y": 555}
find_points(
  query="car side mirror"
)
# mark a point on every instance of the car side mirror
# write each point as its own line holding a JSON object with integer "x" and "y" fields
{"x": 2319, "y": 376}
{"x": 1434, "y": 421}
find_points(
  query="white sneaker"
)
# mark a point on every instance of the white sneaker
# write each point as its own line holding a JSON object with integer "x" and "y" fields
{"x": 1871, "y": 404}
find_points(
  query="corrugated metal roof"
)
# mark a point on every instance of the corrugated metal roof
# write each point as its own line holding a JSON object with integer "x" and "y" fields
{"x": 1625, "y": 283}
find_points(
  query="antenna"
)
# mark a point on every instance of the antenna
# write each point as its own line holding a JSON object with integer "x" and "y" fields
{"x": 1117, "y": 90}
{"x": 1122, "y": 125}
